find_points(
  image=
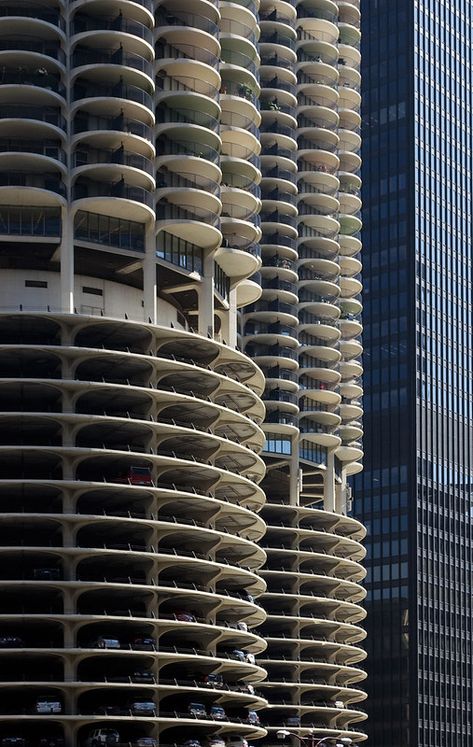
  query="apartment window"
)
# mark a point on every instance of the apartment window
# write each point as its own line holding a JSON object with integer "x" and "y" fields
{"x": 109, "y": 231}
{"x": 36, "y": 284}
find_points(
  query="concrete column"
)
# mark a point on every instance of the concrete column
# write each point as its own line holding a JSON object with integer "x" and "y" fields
{"x": 341, "y": 495}
{"x": 329, "y": 487}
{"x": 150, "y": 287}
{"x": 231, "y": 336}
{"x": 206, "y": 298}
{"x": 66, "y": 253}
{"x": 295, "y": 476}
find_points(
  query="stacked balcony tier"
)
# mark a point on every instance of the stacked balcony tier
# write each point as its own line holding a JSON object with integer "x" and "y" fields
{"x": 313, "y": 659}
{"x": 129, "y": 475}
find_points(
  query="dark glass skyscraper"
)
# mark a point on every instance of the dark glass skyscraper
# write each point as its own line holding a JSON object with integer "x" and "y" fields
{"x": 414, "y": 494}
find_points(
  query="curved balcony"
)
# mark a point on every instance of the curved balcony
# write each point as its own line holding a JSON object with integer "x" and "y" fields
{"x": 350, "y": 349}
{"x": 351, "y": 452}
{"x": 321, "y": 387}
{"x": 90, "y": 57}
{"x": 199, "y": 15}
{"x": 350, "y": 287}
{"x": 239, "y": 258}
{"x": 349, "y": 55}
{"x": 32, "y": 86}
{"x": 28, "y": 152}
{"x": 31, "y": 187}
{"x": 350, "y": 246}
{"x": 265, "y": 353}
{"x": 196, "y": 220}
{"x": 318, "y": 18}
{"x": 349, "y": 128}
{"x": 277, "y": 38}
{"x": 141, "y": 10}
{"x": 108, "y": 30}
{"x": 95, "y": 162}
{"x": 113, "y": 195}
{"x": 350, "y": 139}
{"x": 119, "y": 100}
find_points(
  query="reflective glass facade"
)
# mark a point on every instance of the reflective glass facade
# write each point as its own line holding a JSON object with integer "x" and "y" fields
{"x": 414, "y": 494}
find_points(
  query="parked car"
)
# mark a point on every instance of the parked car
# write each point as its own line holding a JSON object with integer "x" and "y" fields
{"x": 46, "y": 574}
{"x": 47, "y": 704}
{"x": 135, "y": 476}
{"x": 253, "y": 718}
{"x": 142, "y": 675}
{"x": 102, "y": 736}
{"x": 218, "y": 713}
{"x": 191, "y": 743}
{"x": 240, "y": 655}
{"x": 237, "y": 654}
{"x": 51, "y": 742}
{"x": 105, "y": 641}
{"x": 238, "y": 626}
{"x": 143, "y": 708}
{"x": 197, "y": 709}
{"x": 215, "y": 742}
{"x": 146, "y": 742}
{"x": 236, "y": 741}
{"x": 213, "y": 680}
{"x": 184, "y": 616}
{"x": 144, "y": 643}
{"x": 13, "y": 740}
{"x": 11, "y": 641}
{"x": 246, "y": 687}
{"x": 293, "y": 721}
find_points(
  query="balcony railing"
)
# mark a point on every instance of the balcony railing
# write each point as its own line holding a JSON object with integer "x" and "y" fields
{"x": 120, "y": 90}
{"x": 279, "y": 239}
{"x": 48, "y": 48}
{"x": 170, "y": 211}
{"x": 42, "y": 13}
{"x": 81, "y": 24}
{"x": 43, "y": 148}
{"x": 277, "y": 217}
{"x": 84, "y": 122}
{"x": 50, "y": 182}
{"x": 275, "y": 37}
{"x": 192, "y": 20}
{"x": 274, "y": 172}
{"x": 277, "y": 306}
{"x": 117, "y": 57}
{"x": 89, "y": 188}
{"x": 187, "y": 83}
{"x": 165, "y": 147}
{"x": 276, "y": 351}
{"x": 284, "y": 418}
{"x": 41, "y": 114}
{"x": 186, "y": 180}
{"x": 186, "y": 51}
{"x": 276, "y": 328}
{"x": 119, "y": 156}
{"x": 23, "y": 76}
